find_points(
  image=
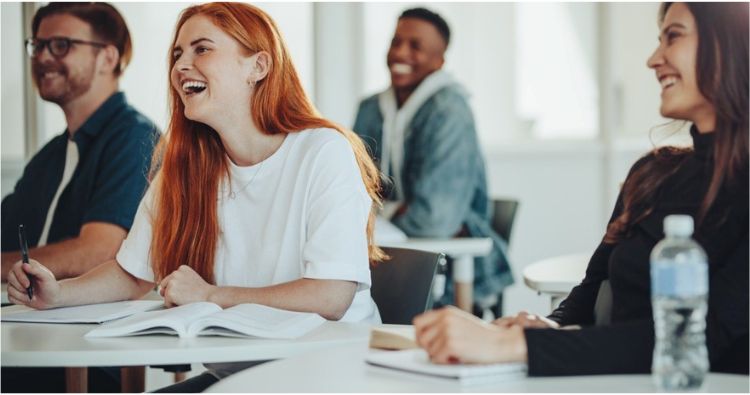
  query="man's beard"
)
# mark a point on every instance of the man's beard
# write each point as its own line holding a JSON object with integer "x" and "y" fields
{"x": 72, "y": 87}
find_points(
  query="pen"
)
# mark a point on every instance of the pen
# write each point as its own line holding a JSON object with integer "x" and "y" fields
{"x": 25, "y": 256}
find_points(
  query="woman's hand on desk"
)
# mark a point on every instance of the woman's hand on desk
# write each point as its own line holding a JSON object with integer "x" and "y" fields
{"x": 46, "y": 288}
{"x": 450, "y": 335}
{"x": 184, "y": 286}
{"x": 526, "y": 320}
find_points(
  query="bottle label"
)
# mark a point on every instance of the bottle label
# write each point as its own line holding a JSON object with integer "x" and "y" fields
{"x": 679, "y": 279}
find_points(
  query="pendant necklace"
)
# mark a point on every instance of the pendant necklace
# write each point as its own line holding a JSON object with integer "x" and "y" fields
{"x": 233, "y": 194}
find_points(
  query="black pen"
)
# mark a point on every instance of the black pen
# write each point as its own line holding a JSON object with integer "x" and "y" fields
{"x": 25, "y": 256}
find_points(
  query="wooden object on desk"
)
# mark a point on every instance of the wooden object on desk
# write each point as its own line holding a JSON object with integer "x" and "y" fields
{"x": 393, "y": 337}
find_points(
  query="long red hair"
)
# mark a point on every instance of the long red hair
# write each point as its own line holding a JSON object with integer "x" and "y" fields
{"x": 192, "y": 159}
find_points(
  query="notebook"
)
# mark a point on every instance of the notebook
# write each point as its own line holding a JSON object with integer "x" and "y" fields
{"x": 209, "y": 319}
{"x": 86, "y": 314}
{"x": 417, "y": 361}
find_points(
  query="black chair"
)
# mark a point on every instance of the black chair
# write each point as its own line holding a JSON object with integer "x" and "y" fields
{"x": 603, "y": 305}
{"x": 402, "y": 285}
{"x": 503, "y": 216}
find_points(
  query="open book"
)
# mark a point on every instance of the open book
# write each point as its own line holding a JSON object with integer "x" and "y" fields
{"x": 86, "y": 314}
{"x": 417, "y": 361}
{"x": 393, "y": 337}
{"x": 204, "y": 318}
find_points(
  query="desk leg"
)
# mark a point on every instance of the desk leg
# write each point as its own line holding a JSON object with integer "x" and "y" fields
{"x": 133, "y": 379}
{"x": 463, "y": 281}
{"x": 76, "y": 380}
{"x": 555, "y": 300}
{"x": 179, "y": 377}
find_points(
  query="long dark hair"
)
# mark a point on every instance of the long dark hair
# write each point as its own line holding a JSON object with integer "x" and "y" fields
{"x": 722, "y": 73}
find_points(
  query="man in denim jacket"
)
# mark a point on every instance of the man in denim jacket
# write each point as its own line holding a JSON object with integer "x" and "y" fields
{"x": 421, "y": 133}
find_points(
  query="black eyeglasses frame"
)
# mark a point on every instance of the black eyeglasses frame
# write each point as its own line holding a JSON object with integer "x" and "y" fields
{"x": 35, "y": 46}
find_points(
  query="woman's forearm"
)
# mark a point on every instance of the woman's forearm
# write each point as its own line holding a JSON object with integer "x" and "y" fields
{"x": 107, "y": 282}
{"x": 329, "y": 298}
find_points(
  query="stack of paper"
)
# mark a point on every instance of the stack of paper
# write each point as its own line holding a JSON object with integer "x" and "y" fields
{"x": 86, "y": 314}
{"x": 417, "y": 361}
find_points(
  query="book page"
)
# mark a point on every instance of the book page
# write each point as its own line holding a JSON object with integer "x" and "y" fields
{"x": 257, "y": 320}
{"x": 169, "y": 321}
{"x": 86, "y": 314}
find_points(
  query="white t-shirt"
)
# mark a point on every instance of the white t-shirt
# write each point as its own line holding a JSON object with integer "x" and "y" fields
{"x": 301, "y": 213}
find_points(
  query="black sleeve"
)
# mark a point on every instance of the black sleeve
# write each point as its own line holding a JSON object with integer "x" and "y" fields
{"x": 613, "y": 349}
{"x": 727, "y": 317}
{"x": 628, "y": 347}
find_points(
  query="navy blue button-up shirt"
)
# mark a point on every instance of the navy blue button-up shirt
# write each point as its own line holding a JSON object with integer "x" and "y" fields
{"x": 115, "y": 146}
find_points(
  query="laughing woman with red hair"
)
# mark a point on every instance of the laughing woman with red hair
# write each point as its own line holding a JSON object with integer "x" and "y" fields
{"x": 257, "y": 199}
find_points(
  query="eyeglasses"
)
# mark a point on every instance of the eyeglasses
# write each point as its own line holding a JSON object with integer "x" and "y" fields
{"x": 57, "y": 46}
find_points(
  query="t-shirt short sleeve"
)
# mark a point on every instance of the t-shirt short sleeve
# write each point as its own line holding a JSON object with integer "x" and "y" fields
{"x": 338, "y": 209}
{"x": 133, "y": 255}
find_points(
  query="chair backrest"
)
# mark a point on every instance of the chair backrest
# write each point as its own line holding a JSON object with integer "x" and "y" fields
{"x": 504, "y": 213}
{"x": 402, "y": 286}
{"x": 603, "y": 305}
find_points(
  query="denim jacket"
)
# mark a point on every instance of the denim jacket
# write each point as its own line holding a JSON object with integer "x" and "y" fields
{"x": 444, "y": 180}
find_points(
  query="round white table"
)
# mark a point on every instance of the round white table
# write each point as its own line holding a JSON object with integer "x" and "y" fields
{"x": 63, "y": 345}
{"x": 556, "y": 276}
{"x": 342, "y": 369}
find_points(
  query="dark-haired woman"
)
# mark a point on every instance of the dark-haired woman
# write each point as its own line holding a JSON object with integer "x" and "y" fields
{"x": 702, "y": 65}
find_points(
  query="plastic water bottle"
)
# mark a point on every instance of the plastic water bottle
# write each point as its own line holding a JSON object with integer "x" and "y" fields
{"x": 679, "y": 293}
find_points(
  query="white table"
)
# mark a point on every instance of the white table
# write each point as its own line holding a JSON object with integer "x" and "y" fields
{"x": 343, "y": 370}
{"x": 63, "y": 345}
{"x": 556, "y": 276}
{"x": 463, "y": 250}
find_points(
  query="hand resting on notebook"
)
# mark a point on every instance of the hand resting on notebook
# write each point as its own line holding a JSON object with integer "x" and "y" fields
{"x": 450, "y": 335}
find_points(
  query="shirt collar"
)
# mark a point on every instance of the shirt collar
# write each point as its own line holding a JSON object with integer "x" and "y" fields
{"x": 703, "y": 143}
{"x": 96, "y": 123}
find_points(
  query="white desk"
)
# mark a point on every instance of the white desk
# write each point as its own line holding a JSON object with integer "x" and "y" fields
{"x": 463, "y": 250}
{"x": 343, "y": 370}
{"x": 63, "y": 345}
{"x": 556, "y": 276}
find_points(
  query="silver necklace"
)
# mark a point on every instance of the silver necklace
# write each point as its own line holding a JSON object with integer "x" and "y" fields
{"x": 233, "y": 194}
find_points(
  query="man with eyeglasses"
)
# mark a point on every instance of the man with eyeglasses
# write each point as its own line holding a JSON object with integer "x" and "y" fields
{"x": 78, "y": 195}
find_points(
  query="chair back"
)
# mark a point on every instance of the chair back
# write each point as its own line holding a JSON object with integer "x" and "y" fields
{"x": 402, "y": 286}
{"x": 504, "y": 213}
{"x": 603, "y": 305}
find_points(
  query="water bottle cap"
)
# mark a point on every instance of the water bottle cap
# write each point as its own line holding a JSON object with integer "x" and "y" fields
{"x": 678, "y": 225}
